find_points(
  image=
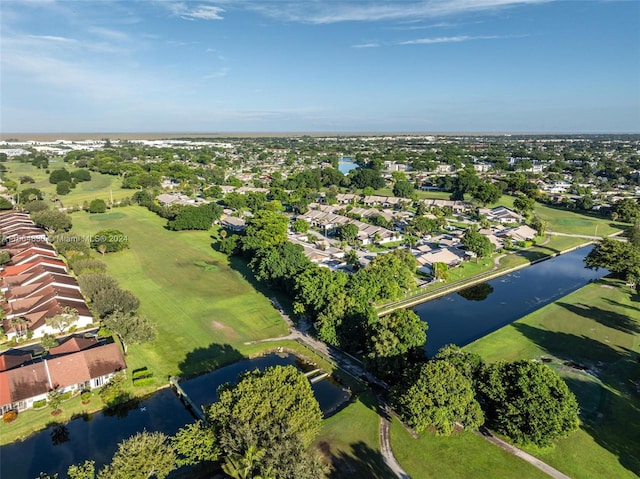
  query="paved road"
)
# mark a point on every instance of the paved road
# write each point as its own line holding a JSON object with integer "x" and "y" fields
{"x": 534, "y": 461}
{"x": 356, "y": 368}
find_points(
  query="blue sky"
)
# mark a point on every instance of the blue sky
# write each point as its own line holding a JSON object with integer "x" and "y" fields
{"x": 312, "y": 65}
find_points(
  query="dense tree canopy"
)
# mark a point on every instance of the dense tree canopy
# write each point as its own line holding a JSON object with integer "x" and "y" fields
{"x": 437, "y": 395}
{"x": 52, "y": 220}
{"x": 396, "y": 340}
{"x": 145, "y": 455}
{"x": 477, "y": 243}
{"x": 528, "y": 402}
{"x": 196, "y": 217}
{"x": 109, "y": 241}
{"x": 366, "y": 177}
{"x": 275, "y": 412}
{"x": 97, "y": 206}
{"x": 264, "y": 230}
{"x": 57, "y": 176}
{"x": 622, "y": 258}
{"x": 486, "y": 193}
{"x": 627, "y": 210}
{"x": 131, "y": 328}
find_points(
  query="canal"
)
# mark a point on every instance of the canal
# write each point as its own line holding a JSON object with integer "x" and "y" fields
{"x": 460, "y": 318}
{"x": 96, "y": 436}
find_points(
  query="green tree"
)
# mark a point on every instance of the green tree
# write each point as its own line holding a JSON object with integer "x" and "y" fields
{"x": 108, "y": 300}
{"x": 366, "y": 177}
{"x": 97, "y": 206}
{"x": 279, "y": 396}
{"x": 300, "y": 226}
{"x": 348, "y": 232}
{"x": 52, "y": 220}
{"x": 627, "y": 209}
{"x": 29, "y": 194}
{"x": 486, "y": 193}
{"x": 477, "y": 243}
{"x": 437, "y": 395}
{"x": 58, "y": 176}
{"x": 528, "y": 402}
{"x": 229, "y": 245}
{"x": 54, "y": 398}
{"x": 48, "y": 341}
{"x": 264, "y": 230}
{"x": 440, "y": 271}
{"x": 145, "y": 455}
{"x": 111, "y": 239}
{"x": 91, "y": 283}
{"x": 524, "y": 204}
{"x": 469, "y": 364}
{"x": 131, "y": 329}
{"x": 195, "y": 217}
{"x": 195, "y": 443}
{"x": 86, "y": 470}
{"x": 63, "y": 188}
{"x": 273, "y": 411}
{"x": 64, "y": 319}
{"x": 397, "y": 340}
{"x": 81, "y": 175}
{"x": 82, "y": 265}
{"x": 5, "y": 257}
{"x": 404, "y": 189}
{"x": 622, "y": 258}
{"x": 5, "y": 204}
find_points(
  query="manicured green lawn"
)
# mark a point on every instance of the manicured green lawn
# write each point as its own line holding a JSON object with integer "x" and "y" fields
{"x": 597, "y": 327}
{"x": 101, "y": 186}
{"x": 350, "y": 440}
{"x": 565, "y": 221}
{"x": 204, "y": 310}
{"x": 462, "y": 455}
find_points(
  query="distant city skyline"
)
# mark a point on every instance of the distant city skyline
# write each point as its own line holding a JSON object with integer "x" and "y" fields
{"x": 328, "y": 66}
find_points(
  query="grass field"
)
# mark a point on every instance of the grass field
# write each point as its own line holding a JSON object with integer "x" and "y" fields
{"x": 460, "y": 456}
{"x": 597, "y": 327}
{"x": 101, "y": 186}
{"x": 204, "y": 309}
{"x": 349, "y": 439}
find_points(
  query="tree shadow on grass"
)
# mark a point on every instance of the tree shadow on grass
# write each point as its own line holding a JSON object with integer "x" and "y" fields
{"x": 361, "y": 461}
{"x": 614, "y": 425}
{"x": 572, "y": 347}
{"x": 202, "y": 360}
{"x": 614, "y": 422}
{"x": 608, "y": 318}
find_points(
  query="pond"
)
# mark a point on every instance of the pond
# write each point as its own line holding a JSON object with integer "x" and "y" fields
{"x": 96, "y": 436}
{"x": 345, "y": 165}
{"x": 463, "y": 317}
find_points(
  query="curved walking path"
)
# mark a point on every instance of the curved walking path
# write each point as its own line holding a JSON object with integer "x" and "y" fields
{"x": 355, "y": 367}
{"x": 534, "y": 461}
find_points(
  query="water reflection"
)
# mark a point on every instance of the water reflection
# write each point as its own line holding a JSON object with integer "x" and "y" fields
{"x": 453, "y": 319}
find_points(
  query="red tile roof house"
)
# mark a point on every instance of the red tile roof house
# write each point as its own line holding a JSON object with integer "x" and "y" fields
{"x": 75, "y": 365}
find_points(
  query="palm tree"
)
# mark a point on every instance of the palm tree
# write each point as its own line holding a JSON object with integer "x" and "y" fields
{"x": 20, "y": 325}
{"x": 241, "y": 467}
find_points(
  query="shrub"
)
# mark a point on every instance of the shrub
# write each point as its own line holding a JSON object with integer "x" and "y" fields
{"x": 66, "y": 396}
{"x": 143, "y": 381}
{"x": 39, "y": 404}
{"x": 142, "y": 373}
{"x": 10, "y": 416}
{"x": 85, "y": 397}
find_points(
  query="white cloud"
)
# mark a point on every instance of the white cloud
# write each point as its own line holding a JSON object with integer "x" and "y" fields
{"x": 221, "y": 73}
{"x": 454, "y": 39}
{"x": 109, "y": 34}
{"x": 366, "y": 45}
{"x": 189, "y": 11}
{"x": 376, "y": 10}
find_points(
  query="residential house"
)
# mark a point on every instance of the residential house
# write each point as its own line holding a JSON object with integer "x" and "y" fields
{"x": 75, "y": 365}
